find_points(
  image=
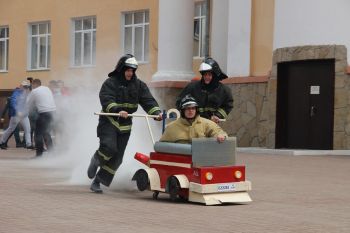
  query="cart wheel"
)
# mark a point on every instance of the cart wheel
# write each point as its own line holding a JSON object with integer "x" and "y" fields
{"x": 155, "y": 195}
{"x": 141, "y": 178}
{"x": 174, "y": 188}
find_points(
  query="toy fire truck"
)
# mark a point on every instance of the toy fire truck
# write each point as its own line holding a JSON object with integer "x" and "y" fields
{"x": 203, "y": 172}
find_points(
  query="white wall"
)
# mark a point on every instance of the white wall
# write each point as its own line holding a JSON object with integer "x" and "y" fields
{"x": 311, "y": 22}
{"x": 238, "y": 57}
{"x": 219, "y": 32}
{"x": 230, "y": 36}
{"x": 175, "y": 42}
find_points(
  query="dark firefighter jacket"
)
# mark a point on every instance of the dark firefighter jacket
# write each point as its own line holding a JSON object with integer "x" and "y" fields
{"x": 211, "y": 101}
{"x": 117, "y": 94}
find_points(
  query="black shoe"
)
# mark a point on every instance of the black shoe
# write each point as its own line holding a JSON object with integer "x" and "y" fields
{"x": 95, "y": 186}
{"x": 94, "y": 163}
{"x": 30, "y": 147}
{"x": 19, "y": 145}
{"x": 3, "y": 146}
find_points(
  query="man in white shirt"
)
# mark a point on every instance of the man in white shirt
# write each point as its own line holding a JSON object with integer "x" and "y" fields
{"x": 41, "y": 97}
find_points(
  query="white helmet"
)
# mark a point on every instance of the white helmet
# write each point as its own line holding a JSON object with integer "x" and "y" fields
{"x": 204, "y": 67}
{"x": 209, "y": 64}
{"x": 131, "y": 63}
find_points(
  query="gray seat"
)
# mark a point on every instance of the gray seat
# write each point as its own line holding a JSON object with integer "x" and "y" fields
{"x": 208, "y": 152}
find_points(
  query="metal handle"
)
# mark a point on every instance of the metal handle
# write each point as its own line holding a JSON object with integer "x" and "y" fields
{"x": 312, "y": 111}
{"x": 129, "y": 115}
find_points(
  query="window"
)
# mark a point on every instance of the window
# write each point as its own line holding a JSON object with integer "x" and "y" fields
{"x": 4, "y": 48}
{"x": 84, "y": 42}
{"x": 136, "y": 34}
{"x": 40, "y": 46}
{"x": 199, "y": 29}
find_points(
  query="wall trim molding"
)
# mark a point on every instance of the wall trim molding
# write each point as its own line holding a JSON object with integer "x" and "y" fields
{"x": 231, "y": 80}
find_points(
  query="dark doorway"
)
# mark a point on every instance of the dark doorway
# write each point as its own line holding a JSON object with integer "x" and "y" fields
{"x": 305, "y": 104}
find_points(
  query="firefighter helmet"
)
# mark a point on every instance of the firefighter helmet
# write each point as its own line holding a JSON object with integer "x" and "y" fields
{"x": 188, "y": 101}
{"x": 131, "y": 63}
{"x": 210, "y": 65}
{"x": 126, "y": 61}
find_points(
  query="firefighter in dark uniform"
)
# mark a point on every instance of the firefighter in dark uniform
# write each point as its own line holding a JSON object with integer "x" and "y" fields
{"x": 214, "y": 98}
{"x": 120, "y": 93}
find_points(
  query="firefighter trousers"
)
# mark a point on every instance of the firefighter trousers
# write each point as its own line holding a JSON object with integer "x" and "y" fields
{"x": 110, "y": 153}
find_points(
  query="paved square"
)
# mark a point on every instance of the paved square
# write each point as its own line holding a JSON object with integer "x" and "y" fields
{"x": 290, "y": 194}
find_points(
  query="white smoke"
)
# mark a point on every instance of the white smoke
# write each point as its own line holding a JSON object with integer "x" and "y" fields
{"x": 78, "y": 141}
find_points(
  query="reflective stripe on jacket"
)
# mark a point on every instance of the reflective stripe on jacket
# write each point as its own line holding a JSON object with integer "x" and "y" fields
{"x": 117, "y": 95}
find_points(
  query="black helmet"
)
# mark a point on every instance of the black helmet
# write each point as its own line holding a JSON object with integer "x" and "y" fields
{"x": 210, "y": 65}
{"x": 126, "y": 61}
{"x": 188, "y": 101}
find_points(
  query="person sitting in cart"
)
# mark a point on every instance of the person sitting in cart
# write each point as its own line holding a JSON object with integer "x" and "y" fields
{"x": 191, "y": 125}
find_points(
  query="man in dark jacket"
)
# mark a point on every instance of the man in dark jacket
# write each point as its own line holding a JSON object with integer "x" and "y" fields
{"x": 120, "y": 93}
{"x": 18, "y": 113}
{"x": 214, "y": 98}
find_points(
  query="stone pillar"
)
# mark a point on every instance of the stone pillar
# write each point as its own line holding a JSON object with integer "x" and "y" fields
{"x": 175, "y": 40}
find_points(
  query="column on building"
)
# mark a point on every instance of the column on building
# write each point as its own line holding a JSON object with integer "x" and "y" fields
{"x": 175, "y": 40}
{"x": 230, "y": 36}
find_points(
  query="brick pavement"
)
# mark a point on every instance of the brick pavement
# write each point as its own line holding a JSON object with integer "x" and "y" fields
{"x": 290, "y": 194}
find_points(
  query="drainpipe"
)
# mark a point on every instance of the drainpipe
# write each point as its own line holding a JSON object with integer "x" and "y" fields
{"x": 207, "y": 28}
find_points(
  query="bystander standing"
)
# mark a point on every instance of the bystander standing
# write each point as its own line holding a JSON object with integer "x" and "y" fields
{"x": 41, "y": 97}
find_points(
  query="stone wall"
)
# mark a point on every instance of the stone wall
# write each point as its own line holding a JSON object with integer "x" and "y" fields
{"x": 246, "y": 116}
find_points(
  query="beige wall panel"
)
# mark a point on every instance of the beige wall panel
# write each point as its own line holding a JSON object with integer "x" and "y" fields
{"x": 262, "y": 36}
{"x": 196, "y": 63}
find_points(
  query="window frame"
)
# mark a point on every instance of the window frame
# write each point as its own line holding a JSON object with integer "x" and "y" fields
{"x": 144, "y": 47}
{"x": 6, "y": 40}
{"x": 93, "y": 32}
{"x": 200, "y": 37}
{"x": 38, "y": 36}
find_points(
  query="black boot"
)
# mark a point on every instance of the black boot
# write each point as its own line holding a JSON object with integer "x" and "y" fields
{"x": 95, "y": 186}
{"x": 3, "y": 146}
{"x": 94, "y": 163}
{"x": 19, "y": 145}
{"x": 30, "y": 147}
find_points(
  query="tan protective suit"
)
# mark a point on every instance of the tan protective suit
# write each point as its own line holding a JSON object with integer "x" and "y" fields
{"x": 181, "y": 131}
